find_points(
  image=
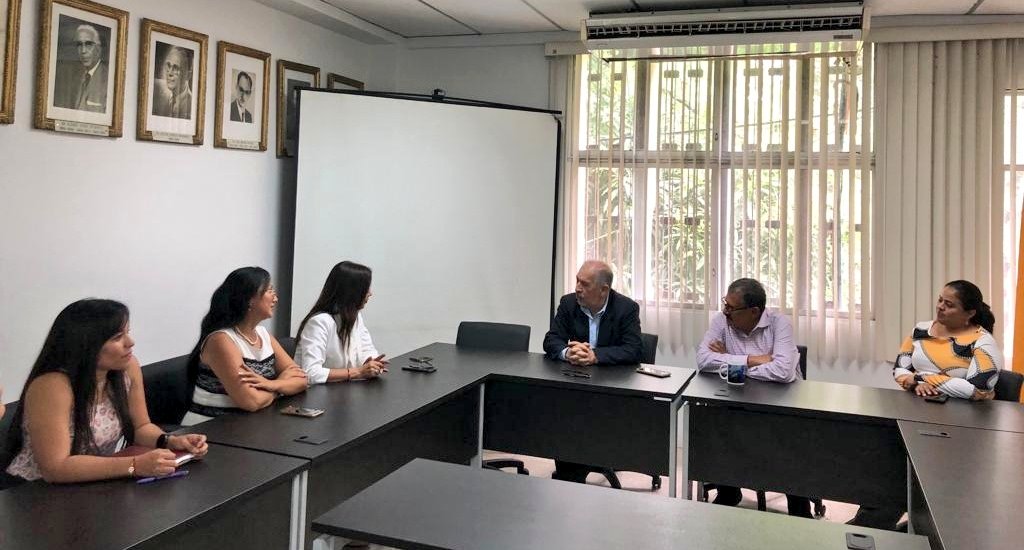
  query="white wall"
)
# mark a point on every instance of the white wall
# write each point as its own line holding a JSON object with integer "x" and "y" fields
{"x": 516, "y": 75}
{"x": 157, "y": 226}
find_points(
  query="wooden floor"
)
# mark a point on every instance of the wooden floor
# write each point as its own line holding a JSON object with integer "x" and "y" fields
{"x": 839, "y": 512}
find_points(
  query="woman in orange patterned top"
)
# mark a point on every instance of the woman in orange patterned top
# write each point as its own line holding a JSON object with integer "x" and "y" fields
{"x": 955, "y": 354}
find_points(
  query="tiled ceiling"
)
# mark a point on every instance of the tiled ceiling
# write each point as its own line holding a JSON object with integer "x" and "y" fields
{"x": 424, "y": 18}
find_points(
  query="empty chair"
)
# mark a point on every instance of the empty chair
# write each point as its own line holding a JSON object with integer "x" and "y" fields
{"x": 494, "y": 336}
{"x": 167, "y": 392}
{"x": 288, "y": 345}
{"x": 1008, "y": 386}
{"x": 501, "y": 337}
{"x": 648, "y": 354}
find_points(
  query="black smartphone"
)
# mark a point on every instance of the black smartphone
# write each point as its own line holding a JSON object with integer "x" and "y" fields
{"x": 305, "y": 412}
{"x": 651, "y": 371}
{"x": 941, "y": 398}
{"x": 857, "y": 541}
{"x": 419, "y": 367}
{"x": 309, "y": 440}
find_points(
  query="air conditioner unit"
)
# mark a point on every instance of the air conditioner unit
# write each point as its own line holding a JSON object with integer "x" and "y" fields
{"x": 726, "y": 26}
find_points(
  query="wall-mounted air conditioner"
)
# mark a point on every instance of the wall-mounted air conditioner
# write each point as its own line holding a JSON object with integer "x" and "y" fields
{"x": 727, "y": 26}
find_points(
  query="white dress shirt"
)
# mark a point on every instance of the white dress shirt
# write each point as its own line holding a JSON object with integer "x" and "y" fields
{"x": 319, "y": 348}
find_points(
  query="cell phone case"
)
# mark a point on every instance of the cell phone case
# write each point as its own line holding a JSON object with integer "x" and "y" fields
{"x": 657, "y": 373}
{"x": 420, "y": 368}
{"x": 301, "y": 411}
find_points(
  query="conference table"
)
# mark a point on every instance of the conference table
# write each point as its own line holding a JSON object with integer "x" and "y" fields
{"x": 233, "y": 499}
{"x": 966, "y": 488}
{"x": 433, "y": 505}
{"x": 371, "y": 428}
{"x": 819, "y": 439}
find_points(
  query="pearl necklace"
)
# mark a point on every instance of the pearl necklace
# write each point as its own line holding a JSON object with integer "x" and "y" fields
{"x": 254, "y": 342}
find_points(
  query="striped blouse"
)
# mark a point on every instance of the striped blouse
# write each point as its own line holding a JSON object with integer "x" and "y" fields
{"x": 955, "y": 365}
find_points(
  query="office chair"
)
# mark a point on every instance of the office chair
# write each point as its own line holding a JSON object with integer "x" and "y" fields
{"x": 167, "y": 391}
{"x": 288, "y": 345}
{"x": 1008, "y": 386}
{"x": 648, "y": 354}
{"x": 502, "y": 337}
{"x": 762, "y": 505}
{"x": 6, "y": 480}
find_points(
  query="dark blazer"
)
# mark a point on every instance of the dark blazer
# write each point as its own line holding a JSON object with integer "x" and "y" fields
{"x": 618, "y": 337}
{"x": 244, "y": 116}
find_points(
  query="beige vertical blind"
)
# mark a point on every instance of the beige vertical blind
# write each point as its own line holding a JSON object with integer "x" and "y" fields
{"x": 948, "y": 147}
{"x": 694, "y": 168}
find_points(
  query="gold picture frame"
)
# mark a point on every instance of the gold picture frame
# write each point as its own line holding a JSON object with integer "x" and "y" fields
{"x": 238, "y": 123}
{"x": 77, "y": 89}
{"x": 338, "y": 82}
{"x": 289, "y": 75}
{"x": 171, "y": 108}
{"x": 9, "y": 71}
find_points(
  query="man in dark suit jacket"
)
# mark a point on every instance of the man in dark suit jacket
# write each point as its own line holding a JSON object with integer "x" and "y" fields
{"x": 82, "y": 84}
{"x": 243, "y": 90}
{"x": 593, "y": 326}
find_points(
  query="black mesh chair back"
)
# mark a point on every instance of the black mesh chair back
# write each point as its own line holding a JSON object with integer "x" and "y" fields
{"x": 288, "y": 345}
{"x": 167, "y": 391}
{"x": 803, "y": 361}
{"x": 1008, "y": 386}
{"x": 494, "y": 336}
{"x": 649, "y": 347}
{"x": 6, "y": 480}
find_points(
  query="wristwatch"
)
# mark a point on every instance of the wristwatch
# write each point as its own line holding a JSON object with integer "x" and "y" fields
{"x": 161, "y": 442}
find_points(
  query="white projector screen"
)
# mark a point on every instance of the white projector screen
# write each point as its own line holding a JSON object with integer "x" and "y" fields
{"x": 452, "y": 206}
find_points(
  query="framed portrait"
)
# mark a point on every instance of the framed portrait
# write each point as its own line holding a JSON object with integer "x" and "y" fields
{"x": 80, "y": 70}
{"x": 10, "y": 13}
{"x": 172, "y": 84}
{"x": 243, "y": 87}
{"x": 291, "y": 75}
{"x": 338, "y": 82}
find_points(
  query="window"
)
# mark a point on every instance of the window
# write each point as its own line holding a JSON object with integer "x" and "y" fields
{"x": 695, "y": 168}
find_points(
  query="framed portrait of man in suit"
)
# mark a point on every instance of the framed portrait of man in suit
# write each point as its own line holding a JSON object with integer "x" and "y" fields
{"x": 172, "y": 84}
{"x": 291, "y": 75}
{"x": 243, "y": 88}
{"x": 10, "y": 17}
{"x": 80, "y": 70}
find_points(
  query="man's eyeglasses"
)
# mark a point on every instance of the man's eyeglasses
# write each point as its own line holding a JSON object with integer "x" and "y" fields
{"x": 727, "y": 308}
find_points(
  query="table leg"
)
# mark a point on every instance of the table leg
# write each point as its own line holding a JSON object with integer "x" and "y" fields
{"x": 910, "y": 498}
{"x": 477, "y": 461}
{"x": 687, "y": 489}
{"x": 297, "y": 538}
{"x": 673, "y": 442}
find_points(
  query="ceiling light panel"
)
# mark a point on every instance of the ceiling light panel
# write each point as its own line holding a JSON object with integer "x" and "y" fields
{"x": 495, "y": 16}
{"x": 409, "y": 18}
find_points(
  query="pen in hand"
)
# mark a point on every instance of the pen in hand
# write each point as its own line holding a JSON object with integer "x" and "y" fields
{"x": 178, "y": 473}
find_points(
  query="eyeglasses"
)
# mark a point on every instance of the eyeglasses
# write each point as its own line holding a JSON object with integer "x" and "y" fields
{"x": 172, "y": 68}
{"x": 727, "y": 308}
{"x": 575, "y": 373}
{"x": 422, "y": 360}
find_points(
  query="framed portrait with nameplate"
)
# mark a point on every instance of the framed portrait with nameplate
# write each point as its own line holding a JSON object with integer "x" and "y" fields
{"x": 243, "y": 90}
{"x": 172, "y": 84}
{"x": 291, "y": 75}
{"x": 80, "y": 69}
{"x": 10, "y": 23}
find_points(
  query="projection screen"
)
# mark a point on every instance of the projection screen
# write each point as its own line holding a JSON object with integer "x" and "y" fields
{"x": 451, "y": 205}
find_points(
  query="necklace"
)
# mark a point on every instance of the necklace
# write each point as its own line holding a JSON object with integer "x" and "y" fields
{"x": 254, "y": 342}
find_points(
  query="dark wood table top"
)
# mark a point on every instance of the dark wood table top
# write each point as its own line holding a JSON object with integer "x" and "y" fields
{"x": 971, "y": 481}
{"x": 429, "y": 504}
{"x": 829, "y": 398}
{"x": 357, "y": 410}
{"x": 118, "y": 514}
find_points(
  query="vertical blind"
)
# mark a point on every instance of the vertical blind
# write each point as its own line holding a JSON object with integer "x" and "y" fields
{"x": 694, "y": 168}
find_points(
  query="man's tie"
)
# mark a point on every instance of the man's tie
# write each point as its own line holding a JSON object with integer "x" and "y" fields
{"x": 82, "y": 89}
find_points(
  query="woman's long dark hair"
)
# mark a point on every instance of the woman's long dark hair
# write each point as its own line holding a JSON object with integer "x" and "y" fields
{"x": 971, "y": 298}
{"x": 72, "y": 347}
{"x": 342, "y": 296}
{"x": 228, "y": 306}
